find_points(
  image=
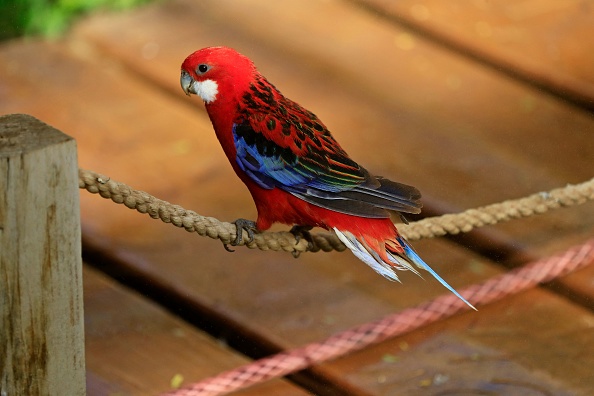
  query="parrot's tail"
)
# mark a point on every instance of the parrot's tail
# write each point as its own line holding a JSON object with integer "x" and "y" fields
{"x": 399, "y": 254}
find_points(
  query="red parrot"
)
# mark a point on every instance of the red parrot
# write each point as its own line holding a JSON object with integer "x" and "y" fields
{"x": 296, "y": 172}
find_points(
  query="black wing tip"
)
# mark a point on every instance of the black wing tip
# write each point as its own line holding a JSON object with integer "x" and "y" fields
{"x": 408, "y": 192}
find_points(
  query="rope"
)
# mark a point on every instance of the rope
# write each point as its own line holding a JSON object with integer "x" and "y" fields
{"x": 435, "y": 226}
{"x": 390, "y": 326}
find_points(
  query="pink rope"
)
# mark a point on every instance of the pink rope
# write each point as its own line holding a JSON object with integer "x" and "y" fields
{"x": 393, "y": 325}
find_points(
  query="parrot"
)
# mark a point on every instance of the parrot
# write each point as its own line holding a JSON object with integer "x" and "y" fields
{"x": 294, "y": 169}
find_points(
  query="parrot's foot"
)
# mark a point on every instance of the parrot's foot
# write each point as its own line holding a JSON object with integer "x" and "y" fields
{"x": 302, "y": 232}
{"x": 242, "y": 224}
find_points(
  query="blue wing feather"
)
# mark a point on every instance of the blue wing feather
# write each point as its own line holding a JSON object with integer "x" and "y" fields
{"x": 268, "y": 171}
{"x": 318, "y": 180}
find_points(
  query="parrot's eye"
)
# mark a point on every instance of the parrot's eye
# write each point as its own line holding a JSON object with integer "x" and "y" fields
{"x": 202, "y": 68}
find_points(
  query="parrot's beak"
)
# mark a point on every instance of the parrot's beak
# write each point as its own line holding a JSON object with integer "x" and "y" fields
{"x": 187, "y": 83}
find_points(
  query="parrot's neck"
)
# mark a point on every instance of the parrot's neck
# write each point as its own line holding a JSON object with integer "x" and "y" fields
{"x": 222, "y": 116}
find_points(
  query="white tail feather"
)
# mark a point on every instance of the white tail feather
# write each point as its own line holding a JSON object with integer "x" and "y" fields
{"x": 367, "y": 255}
{"x": 404, "y": 262}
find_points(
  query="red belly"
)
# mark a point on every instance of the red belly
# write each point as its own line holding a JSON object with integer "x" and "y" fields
{"x": 278, "y": 206}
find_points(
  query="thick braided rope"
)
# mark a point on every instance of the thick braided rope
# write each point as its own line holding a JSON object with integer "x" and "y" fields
{"x": 427, "y": 228}
{"x": 390, "y": 326}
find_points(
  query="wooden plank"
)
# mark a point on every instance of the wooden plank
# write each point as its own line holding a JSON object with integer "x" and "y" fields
{"x": 498, "y": 352}
{"x": 543, "y": 43}
{"x": 137, "y": 348}
{"x": 421, "y": 97}
{"x": 283, "y": 301}
{"x": 41, "y": 307}
{"x": 320, "y": 97}
{"x": 484, "y": 138}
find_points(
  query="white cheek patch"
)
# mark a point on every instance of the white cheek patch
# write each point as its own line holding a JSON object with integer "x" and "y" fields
{"x": 207, "y": 90}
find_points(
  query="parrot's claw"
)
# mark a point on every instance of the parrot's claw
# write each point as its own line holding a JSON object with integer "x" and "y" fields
{"x": 403, "y": 218}
{"x": 301, "y": 231}
{"x": 242, "y": 224}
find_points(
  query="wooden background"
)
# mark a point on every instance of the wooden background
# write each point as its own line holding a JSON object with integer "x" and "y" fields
{"x": 473, "y": 102}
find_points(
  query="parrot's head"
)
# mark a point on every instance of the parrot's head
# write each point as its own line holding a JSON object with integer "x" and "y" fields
{"x": 217, "y": 74}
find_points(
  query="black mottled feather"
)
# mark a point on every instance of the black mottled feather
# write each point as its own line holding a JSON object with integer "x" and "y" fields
{"x": 282, "y": 145}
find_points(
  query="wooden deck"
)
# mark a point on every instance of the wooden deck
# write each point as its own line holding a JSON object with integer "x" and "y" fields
{"x": 472, "y": 102}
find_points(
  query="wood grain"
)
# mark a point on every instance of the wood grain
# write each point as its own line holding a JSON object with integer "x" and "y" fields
{"x": 543, "y": 43}
{"x": 420, "y": 113}
{"x": 135, "y": 347}
{"x": 464, "y": 135}
{"x": 40, "y": 261}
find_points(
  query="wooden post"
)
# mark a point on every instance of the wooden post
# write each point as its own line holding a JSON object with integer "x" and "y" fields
{"x": 41, "y": 300}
